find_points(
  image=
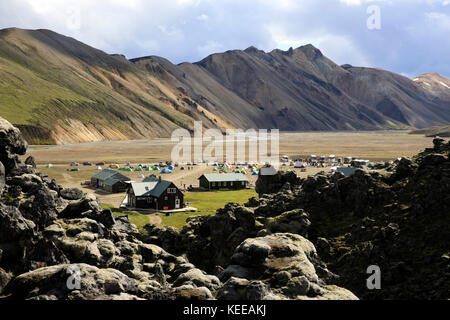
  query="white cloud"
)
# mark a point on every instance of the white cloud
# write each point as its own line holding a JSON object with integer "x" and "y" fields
{"x": 409, "y": 42}
{"x": 339, "y": 48}
{"x": 202, "y": 17}
{"x": 210, "y": 47}
{"x": 169, "y": 31}
{"x": 440, "y": 20}
{"x": 351, "y": 2}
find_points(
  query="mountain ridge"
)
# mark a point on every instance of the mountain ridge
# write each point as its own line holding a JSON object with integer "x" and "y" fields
{"x": 70, "y": 92}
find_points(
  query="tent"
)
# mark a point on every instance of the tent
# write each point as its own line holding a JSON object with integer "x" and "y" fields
{"x": 141, "y": 176}
{"x": 166, "y": 171}
{"x": 171, "y": 168}
{"x": 182, "y": 168}
{"x": 99, "y": 168}
{"x": 49, "y": 165}
{"x": 299, "y": 165}
{"x": 254, "y": 173}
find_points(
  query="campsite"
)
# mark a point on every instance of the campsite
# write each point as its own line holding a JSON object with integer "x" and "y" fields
{"x": 139, "y": 159}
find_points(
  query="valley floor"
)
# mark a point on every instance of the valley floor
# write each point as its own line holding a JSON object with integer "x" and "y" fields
{"x": 372, "y": 145}
{"x": 375, "y": 146}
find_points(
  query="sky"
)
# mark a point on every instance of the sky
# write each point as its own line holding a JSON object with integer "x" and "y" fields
{"x": 410, "y": 37}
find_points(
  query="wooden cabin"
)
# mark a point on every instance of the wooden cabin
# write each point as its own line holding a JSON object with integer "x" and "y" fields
{"x": 110, "y": 180}
{"x": 155, "y": 194}
{"x": 223, "y": 181}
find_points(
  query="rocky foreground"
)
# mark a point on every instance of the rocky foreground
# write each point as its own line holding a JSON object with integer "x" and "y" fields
{"x": 301, "y": 239}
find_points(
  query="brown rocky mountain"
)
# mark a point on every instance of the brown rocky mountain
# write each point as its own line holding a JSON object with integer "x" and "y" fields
{"x": 59, "y": 90}
{"x": 301, "y": 89}
{"x": 436, "y": 84}
{"x": 69, "y": 92}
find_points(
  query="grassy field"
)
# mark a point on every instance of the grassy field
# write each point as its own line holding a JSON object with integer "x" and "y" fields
{"x": 207, "y": 203}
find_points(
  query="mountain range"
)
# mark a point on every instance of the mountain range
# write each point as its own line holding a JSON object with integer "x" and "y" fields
{"x": 58, "y": 90}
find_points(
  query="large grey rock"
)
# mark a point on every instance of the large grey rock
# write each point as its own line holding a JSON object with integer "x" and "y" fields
{"x": 13, "y": 226}
{"x": 190, "y": 293}
{"x": 71, "y": 193}
{"x": 88, "y": 203}
{"x": 197, "y": 278}
{"x": 124, "y": 226}
{"x": 44, "y": 252}
{"x": 286, "y": 262}
{"x": 166, "y": 237}
{"x": 60, "y": 281}
{"x": 54, "y": 230}
{"x": 4, "y": 279}
{"x": 40, "y": 206}
{"x": 243, "y": 289}
{"x": 11, "y": 145}
{"x": 295, "y": 221}
{"x": 30, "y": 161}
{"x": 105, "y": 217}
{"x": 26, "y": 181}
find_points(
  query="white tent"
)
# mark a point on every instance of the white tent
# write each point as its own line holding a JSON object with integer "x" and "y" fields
{"x": 299, "y": 165}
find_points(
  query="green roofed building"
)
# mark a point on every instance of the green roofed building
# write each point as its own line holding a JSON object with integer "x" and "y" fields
{"x": 155, "y": 194}
{"x": 110, "y": 180}
{"x": 223, "y": 181}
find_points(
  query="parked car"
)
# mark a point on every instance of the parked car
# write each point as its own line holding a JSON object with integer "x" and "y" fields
{"x": 87, "y": 163}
